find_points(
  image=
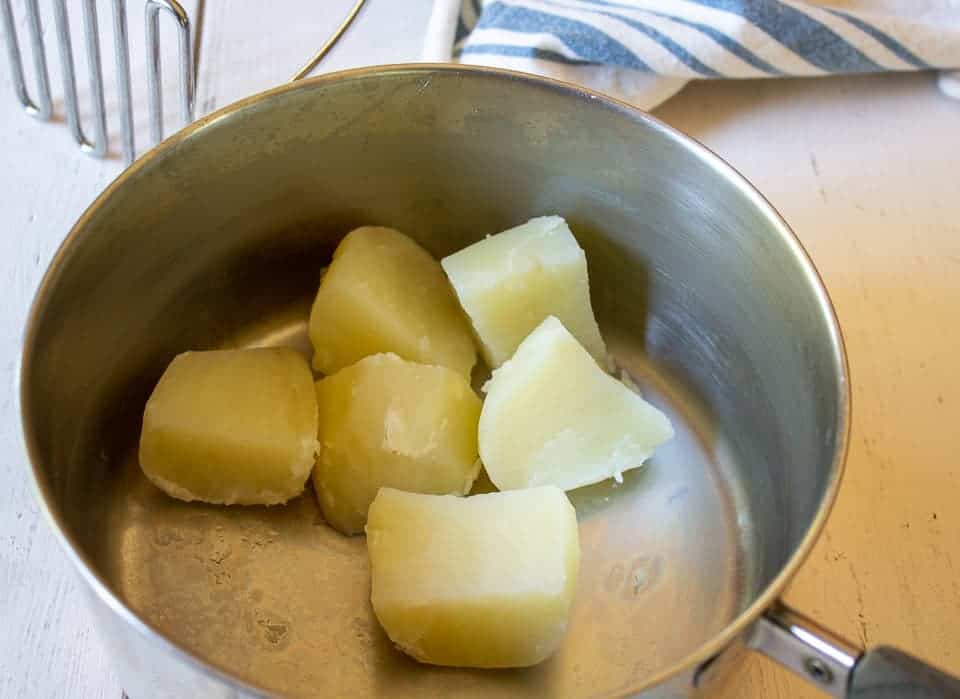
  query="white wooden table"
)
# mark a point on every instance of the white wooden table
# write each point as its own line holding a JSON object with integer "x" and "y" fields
{"x": 866, "y": 169}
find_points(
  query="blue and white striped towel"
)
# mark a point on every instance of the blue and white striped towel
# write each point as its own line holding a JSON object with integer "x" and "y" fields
{"x": 644, "y": 51}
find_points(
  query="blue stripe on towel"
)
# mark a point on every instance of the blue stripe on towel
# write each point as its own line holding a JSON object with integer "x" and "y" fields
{"x": 882, "y": 37}
{"x": 684, "y": 56}
{"x": 588, "y": 42}
{"x": 802, "y": 34}
{"x": 724, "y": 40}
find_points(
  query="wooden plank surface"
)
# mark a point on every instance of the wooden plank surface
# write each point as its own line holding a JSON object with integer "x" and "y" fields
{"x": 48, "y": 648}
{"x": 865, "y": 169}
{"x": 860, "y": 169}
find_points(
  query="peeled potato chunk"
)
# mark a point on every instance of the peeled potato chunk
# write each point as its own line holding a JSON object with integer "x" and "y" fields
{"x": 388, "y": 422}
{"x": 384, "y": 293}
{"x": 552, "y": 416}
{"x": 485, "y": 581}
{"x": 231, "y": 427}
{"x": 509, "y": 282}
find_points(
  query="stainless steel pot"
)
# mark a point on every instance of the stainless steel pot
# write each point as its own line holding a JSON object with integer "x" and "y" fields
{"x": 217, "y": 238}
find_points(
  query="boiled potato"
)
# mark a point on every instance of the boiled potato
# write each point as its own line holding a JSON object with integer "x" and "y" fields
{"x": 553, "y": 417}
{"x": 388, "y": 422}
{"x": 485, "y": 581}
{"x": 509, "y": 282}
{"x": 384, "y": 293}
{"x": 231, "y": 427}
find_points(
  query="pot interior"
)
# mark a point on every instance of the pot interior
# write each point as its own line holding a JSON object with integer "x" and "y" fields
{"x": 218, "y": 239}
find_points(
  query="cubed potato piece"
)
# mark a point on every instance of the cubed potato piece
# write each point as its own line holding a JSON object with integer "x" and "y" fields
{"x": 509, "y": 282}
{"x": 232, "y": 427}
{"x": 552, "y": 417}
{"x": 388, "y": 422}
{"x": 384, "y": 293}
{"x": 485, "y": 581}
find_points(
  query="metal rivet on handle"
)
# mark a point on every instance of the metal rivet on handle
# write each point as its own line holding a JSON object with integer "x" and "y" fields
{"x": 818, "y": 670}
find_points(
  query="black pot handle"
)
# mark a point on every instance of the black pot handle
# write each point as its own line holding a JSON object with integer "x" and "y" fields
{"x": 888, "y": 673}
{"x": 839, "y": 668}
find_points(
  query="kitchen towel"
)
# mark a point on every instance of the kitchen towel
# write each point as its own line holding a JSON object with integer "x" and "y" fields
{"x": 644, "y": 51}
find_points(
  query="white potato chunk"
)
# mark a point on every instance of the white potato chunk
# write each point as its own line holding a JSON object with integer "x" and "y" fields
{"x": 385, "y": 421}
{"x": 485, "y": 581}
{"x": 509, "y": 282}
{"x": 552, "y": 416}
{"x": 385, "y": 293}
{"x": 231, "y": 427}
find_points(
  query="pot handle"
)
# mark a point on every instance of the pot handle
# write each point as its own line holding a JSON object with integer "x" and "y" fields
{"x": 839, "y": 668}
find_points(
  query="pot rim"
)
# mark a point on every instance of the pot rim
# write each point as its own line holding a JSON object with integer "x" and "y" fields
{"x": 695, "y": 659}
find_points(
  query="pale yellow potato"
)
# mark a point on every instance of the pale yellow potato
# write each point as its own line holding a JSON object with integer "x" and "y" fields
{"x": 509, "y": 282}
{"x": 553, "y": 417}
{"x": 388, "y": 422}
{"x": 485, "y": 581}
{"x": 384, "y": 293}
{"x": 231, "y": 427}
